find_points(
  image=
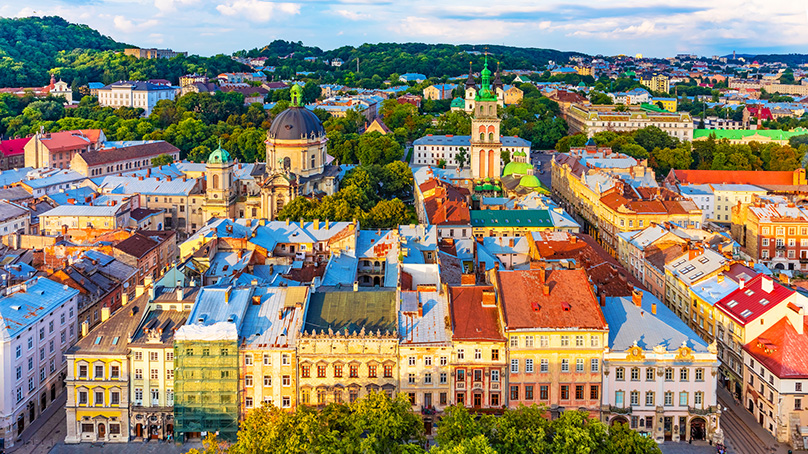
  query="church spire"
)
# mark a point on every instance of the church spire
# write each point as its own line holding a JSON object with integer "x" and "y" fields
{"x": 470, "y": 82}
{"x": 485, "y": 93}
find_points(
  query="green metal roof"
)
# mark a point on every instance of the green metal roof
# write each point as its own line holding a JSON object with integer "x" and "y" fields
{"x": 458, "y": 102}
{"x": 738, "y": 134}
{"x": 348, "y": 310}
{"x": 651, "y": 107}
{"x": 513, "y": 167}
{"x": 529, "y": 181}
{"x": 510, "y": 218}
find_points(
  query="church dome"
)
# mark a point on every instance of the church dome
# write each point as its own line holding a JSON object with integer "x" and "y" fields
{"x": 219, "y": 156}
{"x": 529, "y": 181}
{"x": 296, "y": 123}
{"x": 517, "y": 168}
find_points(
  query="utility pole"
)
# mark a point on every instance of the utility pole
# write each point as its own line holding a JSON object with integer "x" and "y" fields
{"x": 357, "y": 66}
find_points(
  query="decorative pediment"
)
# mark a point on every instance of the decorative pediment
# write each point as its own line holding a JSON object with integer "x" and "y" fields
{"x": 635, "y": 353}
{"x": 684, "y": 354}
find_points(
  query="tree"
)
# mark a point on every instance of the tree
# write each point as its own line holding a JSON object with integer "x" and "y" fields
{"x": 210, "y": 445}
{"x": 505, "y": 156}
{"x": 524, "y": 429}
{"x": 476, "y": 445}
{"x": 457, "y": 424}
{"x": 600, "y": 98}
{"x": 653, "y": 137}
{"x": 665, "y": 159}
{"x": 377, "y": 148}
{"x": 460, "y": 157}
{"x": 624, "y": 440}
{"x": 161, "y": 160}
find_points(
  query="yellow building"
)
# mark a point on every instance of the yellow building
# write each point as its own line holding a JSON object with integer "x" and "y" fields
{"x": 556, "y": 336}
{"x": 501, "y": 223}
{"x": 513, "y": 95}
{"x": 669, "y": 104}
{"x": 659, "y": 82}
{"x": 584, "y": 70}
{"x": 98, "y": 375}
{"x": 104, "y": 217}
{"x": 425, "y": 350}
{"x": 348, "y": 347}
{"x": 267, "y": 351}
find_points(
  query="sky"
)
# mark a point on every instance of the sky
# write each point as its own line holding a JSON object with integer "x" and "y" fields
{"x": 651, "y": 27}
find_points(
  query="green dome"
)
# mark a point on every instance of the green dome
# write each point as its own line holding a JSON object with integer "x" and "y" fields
{"x": 489, "y": 187}
{"x": 219, "y": 156}
{"x": 458, "y": 102}
{"x": 518, "y": 168}
{"x": 529, "y": 181}
{"x": 487, "y": 179}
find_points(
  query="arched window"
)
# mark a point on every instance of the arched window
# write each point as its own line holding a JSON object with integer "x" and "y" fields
{"x": 482, "y": 136}
{"x": 490, "y": 109}
{"x": 482, "y": 109}
{"x": 490, "y": 136}
{"x": 216, "y": 182}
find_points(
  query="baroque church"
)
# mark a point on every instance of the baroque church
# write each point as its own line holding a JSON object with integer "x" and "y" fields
{"x": 297, "y": 164}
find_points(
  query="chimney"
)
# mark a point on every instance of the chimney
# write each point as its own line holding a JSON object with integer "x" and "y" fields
{"x": 240, "y": 253}
{"x": 180, "y": 293}
{"x": 287, "y": 222}
{"x": 636, "y": 297}
{"x": 124, "y": 298}
{"x": 326, "y": 224}
{"x": 139, "y": 290}
{"x": 720, "y": 277}
{"x": 489, "y": 298}
{"x": 316, "y": 224}
{"x": 602, "y": 299}
{"x": 653, "y": 308}
{"x": 420, "y": 309}
{"x": 468, "y": 279}
{"x": 545, "y": 289}
{"x": 227, "y": 295}
{"x": 741, "y": 283}
{"x": 766, "y": 284}
{"x": 356, "y": 286}
{"x": 85, "y": 328}
{"x": 511, "y": 242}
{"x": 151, "y": 293}
{"x": 573, "y": 239}
{"x": 104, "y": 313}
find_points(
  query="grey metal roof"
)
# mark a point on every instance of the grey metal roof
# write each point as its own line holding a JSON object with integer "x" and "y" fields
{"x": 430, "y": 327}
{"x": 29, "y": 302}
{"x": 294, "y": 123}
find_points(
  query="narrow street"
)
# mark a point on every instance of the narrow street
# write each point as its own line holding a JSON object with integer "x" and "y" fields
{"x": 742, "y": 434}
{"x": 48, "y": 430}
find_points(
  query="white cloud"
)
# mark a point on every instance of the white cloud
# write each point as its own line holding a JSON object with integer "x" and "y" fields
{"x": 127, "y": 26}
{"x": 352, "y": 15}
{"x": 169, "y": 6}
{"x": 458, "y": 30}
{"x": 257, "y": 10}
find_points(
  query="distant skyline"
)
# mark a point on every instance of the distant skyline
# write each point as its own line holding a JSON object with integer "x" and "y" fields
{"x": 652, "y": 28}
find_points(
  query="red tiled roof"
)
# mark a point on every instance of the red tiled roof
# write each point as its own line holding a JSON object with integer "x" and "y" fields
{"x": 756, "y": 177}
{"x": 782, "y": 350}
{"x": 145, "y": 150}
{"x": 447, "y": 206}
{"x": 13, "y": 147}
{"x": 71, "y": 140}
{"x": 751, "y": 298}
{"x": 137, "y": 245}
{"x": 470, "y": 320}
{"x": 570, "y": 302}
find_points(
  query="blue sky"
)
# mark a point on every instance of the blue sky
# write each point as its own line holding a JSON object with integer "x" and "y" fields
{"x": 651, "y": 27}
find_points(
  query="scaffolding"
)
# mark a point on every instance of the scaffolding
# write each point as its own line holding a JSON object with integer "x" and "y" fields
{"x": 206, "y": 388}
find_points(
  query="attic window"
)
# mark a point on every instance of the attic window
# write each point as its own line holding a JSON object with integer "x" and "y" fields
{"x": 566, "y": 306}
{"x": 748, "y": 292}
{"x": 97, "y": 340}
{"x": 732, "y": 303}
{"x": 115, "y": 340}
{"x": 704, "y": 260}
{"x": 764, "y": 302}
{"x": 746, "y": 313}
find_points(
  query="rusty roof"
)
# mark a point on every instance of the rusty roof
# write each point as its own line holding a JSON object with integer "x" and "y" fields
{"x": 471, "y": 321}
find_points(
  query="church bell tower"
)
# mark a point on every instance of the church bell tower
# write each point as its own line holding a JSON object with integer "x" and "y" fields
{"x": 485, "y": 134}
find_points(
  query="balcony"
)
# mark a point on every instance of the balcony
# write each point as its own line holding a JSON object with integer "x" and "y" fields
{"x": 620, "y": 410}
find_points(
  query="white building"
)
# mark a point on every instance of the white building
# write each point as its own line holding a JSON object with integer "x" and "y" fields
{"x": 39, "y": 324}
{"x": 430, "y": 149}
{"x": 13, "y": 218}
{"x": 136, "y": 94}
{"x": 659, "y": 377}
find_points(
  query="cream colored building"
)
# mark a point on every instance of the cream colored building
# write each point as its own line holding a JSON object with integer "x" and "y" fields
{"x": 659, "y": 82}
{"x": 591, "y": 119}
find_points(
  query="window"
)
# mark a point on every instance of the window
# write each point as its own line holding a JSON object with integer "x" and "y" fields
{"x": 699, "y": 374}
{"x": 444, "y": 360}
{"x": 528, "y": 341}
{"x": 460, "y": 354}
{"x": 371, "y": 371}
{"x": 478, "y": 354}
{"x": 668, "y": 398}
{"x": 305, "y": 371}
{"x": 153, "y": 356}
{"x": 594, "y": 341}
{"x": 594, "y": 365}
{"x": 169, "y": 374}
{"x": 99, "y": 398}
{"x": 286, "y": 380}
{"x": 514, "y": 393}
{"x": 565, "y": 341}
{"x": 411, "y": 379}
{"x": 579, "y": 341}
{"x": 579, "y": 365}
{"x": 138, "y": 374}
{"x": 797, "y": 403}
{"x": 248, "y": 359}
{"x": 798, "y": 386}
{"x": 321, "y": 371}
{"x": 337, "y": 370}
{"x": 698, "y": 398}
{"x": 565, "y": 392}
{"x": 529, "y": 366}
{"x": 669, "y": 374}
{"x": 82, "y": 371}
{"x": 528, "y": 392}
{"x": 267, "y": 381}
{"x": 649, "y": 399}
{"x": 388, "y": 371}
{"x": 248, "y": 381}
{"x": 544, "y": 365}
{"x": 544, "y": 341}
{"x": 248, "y": 402}
{"x": 428, "y": 378}
{"x": 115, "y": 372}
{"x": 427, "y": 360}
{"x": 495, "y": 375}
{"x": 494, "y": 355}
{"x": 683, "y": 399}
{"x": 565, "y": 365}
{"x": 138, "y": 356}
{"x": 353, "y": 370}
{"x": 443, "y": 377}
{"x": 514, "y": 366}
{"x": 514, "y": 341}
{"x": 82, "y": 396}
{"x": 594, "y": 392}
{"x": 155, "y": 374}
{"x": 634, "y": 397}
{"x": 619, "y": 374}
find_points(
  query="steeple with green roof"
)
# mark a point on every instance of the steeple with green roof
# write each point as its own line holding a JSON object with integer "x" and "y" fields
{"x": 219, "y": 155}
{"x": 297, "y": 95}
{"x": 485, "y": 93}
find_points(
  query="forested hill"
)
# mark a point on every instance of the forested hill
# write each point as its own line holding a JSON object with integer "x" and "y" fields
{"x": 433, "y": 60}
{"x": 29, "y": 47}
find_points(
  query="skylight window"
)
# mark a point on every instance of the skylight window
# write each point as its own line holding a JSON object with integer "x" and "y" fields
{"x": 746, "y": 313}
{"x": 115, "y": 340}
{"x": 97, "y": 340}
{"x": 732, "y": 303}
{"x": 748, "y": 292}
{"x": 764, "y": 302}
